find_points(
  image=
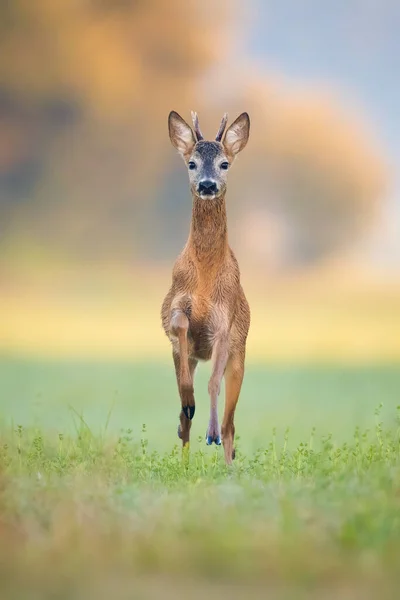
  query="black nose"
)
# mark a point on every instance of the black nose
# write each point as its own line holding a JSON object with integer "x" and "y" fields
{"x": 207, "y": 187}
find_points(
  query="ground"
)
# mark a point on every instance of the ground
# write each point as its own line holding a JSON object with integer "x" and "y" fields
{"x": 96, "y": 499}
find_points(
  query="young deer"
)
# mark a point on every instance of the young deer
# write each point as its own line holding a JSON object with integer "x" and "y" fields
{"x": 205, "y": 313}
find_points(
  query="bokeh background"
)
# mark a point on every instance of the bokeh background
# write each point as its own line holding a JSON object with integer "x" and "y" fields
{"x": 94, "y": 201}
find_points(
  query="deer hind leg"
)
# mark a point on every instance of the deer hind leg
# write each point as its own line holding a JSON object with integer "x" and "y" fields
{"x": 220, "y": 357}
{"x": 233, "y": 382}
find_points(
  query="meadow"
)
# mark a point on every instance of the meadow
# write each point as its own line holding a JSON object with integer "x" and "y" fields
{"x": 97, "y": 499}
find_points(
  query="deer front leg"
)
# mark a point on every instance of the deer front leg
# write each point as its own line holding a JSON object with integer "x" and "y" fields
{"x": 233, "y": 382}
{"x": 184, "y": 367}
{"x": 185, "y": 421}
{"x": 219, "y": 358}
{"x": 179, "y": 327}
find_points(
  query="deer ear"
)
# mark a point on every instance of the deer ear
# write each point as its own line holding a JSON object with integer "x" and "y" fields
{"x": 237, "y": 134}
{"x": 181, "y": 134}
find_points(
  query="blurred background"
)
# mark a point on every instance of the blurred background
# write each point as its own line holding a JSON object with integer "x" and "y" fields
{"x": 94, "y": 201}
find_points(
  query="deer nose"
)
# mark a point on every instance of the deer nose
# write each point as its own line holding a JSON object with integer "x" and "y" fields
{"x": 207, "y": 187}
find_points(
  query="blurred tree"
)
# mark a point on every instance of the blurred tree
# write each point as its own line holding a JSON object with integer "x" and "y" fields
{"x": 313, "y": 167}
{"x": 85, "y": 162}
{"x": 93, "y": 81}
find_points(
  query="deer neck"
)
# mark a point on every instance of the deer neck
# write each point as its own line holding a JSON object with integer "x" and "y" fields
{"x": 208, "y": 236}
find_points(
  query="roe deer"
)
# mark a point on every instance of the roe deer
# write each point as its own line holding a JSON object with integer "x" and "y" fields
{"x": 205, "y": 313}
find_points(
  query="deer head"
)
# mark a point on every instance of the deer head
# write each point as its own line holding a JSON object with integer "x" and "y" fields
{"x": 208, "y": 161}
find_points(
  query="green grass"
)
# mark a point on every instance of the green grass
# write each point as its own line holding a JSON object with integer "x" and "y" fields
{"x": 100, "y": 507}
{"x": 332, "y": 399}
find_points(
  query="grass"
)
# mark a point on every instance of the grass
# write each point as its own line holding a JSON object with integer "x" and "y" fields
{"x": 86, "y": 516}
{"x": 94, "y": 505}
{"x": 334, "y": 399}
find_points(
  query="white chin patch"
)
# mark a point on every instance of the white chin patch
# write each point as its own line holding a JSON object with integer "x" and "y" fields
{"x": 207, "y": 196}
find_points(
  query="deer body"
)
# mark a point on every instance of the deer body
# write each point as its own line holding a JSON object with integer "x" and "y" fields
{"x": 205, "y": 313}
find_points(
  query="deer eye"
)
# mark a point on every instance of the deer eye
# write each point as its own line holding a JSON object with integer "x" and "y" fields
{"x": 224, "y": 166}
{"x": 191, "y": 165}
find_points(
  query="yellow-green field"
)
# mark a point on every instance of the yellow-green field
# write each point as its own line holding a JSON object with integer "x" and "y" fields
{"x": 322, "y": 316}
{"x": 96, "y": 498}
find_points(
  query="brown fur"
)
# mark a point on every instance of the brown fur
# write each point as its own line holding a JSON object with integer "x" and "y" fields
{"x": 206, "y": 316}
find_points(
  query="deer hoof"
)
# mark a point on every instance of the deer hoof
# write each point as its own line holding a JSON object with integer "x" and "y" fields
{"x": 233, "y": 454}
{"x": 188, "y": 411}
{"x": 210, "y": 439}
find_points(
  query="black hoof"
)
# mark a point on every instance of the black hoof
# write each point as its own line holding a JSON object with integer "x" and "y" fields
{"x": 188, "y": 411}
{"x": 233, "y": 454}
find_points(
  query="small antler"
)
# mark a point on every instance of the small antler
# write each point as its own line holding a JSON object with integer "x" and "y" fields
{"x": 222, "y": 128}
{"x": 196, "y": 126}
